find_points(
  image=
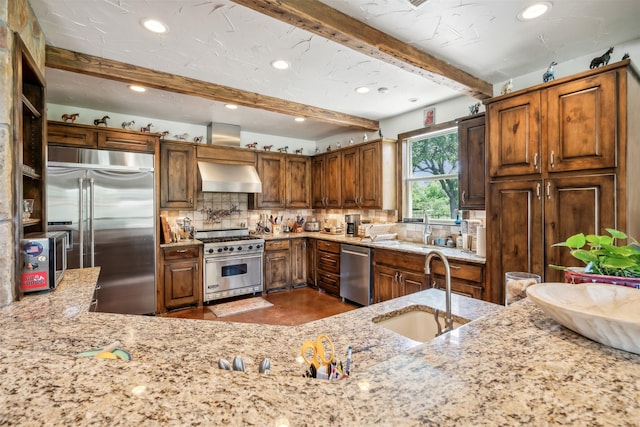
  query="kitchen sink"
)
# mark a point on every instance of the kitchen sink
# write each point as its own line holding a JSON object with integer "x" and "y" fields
{"x": 418, "y": 324}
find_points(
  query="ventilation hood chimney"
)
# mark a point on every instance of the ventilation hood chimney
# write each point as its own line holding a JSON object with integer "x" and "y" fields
{"x": 224, "y": 178}
{"x": 223, "y": 134}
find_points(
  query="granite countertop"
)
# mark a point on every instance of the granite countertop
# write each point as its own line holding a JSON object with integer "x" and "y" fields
{"x": 509, "y": 366}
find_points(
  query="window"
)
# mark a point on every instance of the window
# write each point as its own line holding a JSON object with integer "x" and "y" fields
{"x": 430, "y": 181}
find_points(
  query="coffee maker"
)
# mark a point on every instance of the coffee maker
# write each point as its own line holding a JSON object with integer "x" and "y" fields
{"x": 353, "y": 222}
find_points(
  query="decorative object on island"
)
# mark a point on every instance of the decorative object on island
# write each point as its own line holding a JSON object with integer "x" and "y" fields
{"x": 128, "y": 125}
{"x": 549, "y": 74}
{"x": 102, "y": 121}
{"x": 507, "y": 87}
{"x": 430, "y": 116}
{"x": 147, "y": 128}
{"x": 605, "y": 262}
{"x": 601, "y": 60}
{"x": 516, "y": 284}
{"x": 198, "y": 139}
{"x": 267, "y": 147}
{"x": 71, "y": 117}
{"x": 475, "y": 108}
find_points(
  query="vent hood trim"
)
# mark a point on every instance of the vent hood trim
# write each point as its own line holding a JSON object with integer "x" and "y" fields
{"x": 229, "y": 178}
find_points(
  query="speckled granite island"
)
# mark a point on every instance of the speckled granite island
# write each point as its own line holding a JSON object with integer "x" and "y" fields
{"x": 508, "y": 366}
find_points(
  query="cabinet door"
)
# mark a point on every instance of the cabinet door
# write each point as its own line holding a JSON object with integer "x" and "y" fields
{"x": 181, "y": 284}
{"x": 582, "y": 123}
{"x": 177, "y": 176}
{"x": 412, "y": 282}
{"x": 311, "y": 262}
{"x": 514, "y": 135}
{"x": 271, "y": 169}
{"x": 71, "y": 136}
{"x": 515, "y": 243}
{"x": 471, "y": 149}
{"x": 329, "y": 282}
{"x": 318, "y": 181}
{"x": 333, "y": 180}
{"x": 583, "y": 204}
{"x": 369, "y": 191}
{"x": 277, "y": 271}
{"x": 127, "y": 141}
{"x": 385, "y": 285}
{"x": 298, "y": 182}
{"x": 298, "y": 261}
{"x": 350, "y": 178}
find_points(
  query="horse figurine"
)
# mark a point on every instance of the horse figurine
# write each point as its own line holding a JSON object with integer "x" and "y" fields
{"x": 601, "y": 60}
{"x": 147, "y": 128}
{"x": 163, "y": 134}
{"x": 102, "y": 121}
{"x": 253, "y": 145}
{"x": 475, "y": 108}
{"x": 507, "y": 87}
{"x": 625, "y": 56}
{"x": 283, "y": 149}
{"x": 267, "y": 147}
{"x": 198, "y": 139}
{"x": 182, "y": 137}
{"x": 549, "y": 74}
{"x": 128, "y": 125}
{"x": 71, "y": 117}
{"x": 299, "y": 151}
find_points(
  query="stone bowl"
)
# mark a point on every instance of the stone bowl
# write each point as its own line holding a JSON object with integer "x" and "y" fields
{"x": 605, "y": 313}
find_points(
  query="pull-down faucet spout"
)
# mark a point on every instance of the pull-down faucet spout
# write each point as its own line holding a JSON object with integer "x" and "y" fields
{"x": 448, "y": 320}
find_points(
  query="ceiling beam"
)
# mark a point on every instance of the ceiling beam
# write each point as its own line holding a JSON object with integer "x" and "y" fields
{"x": 320, "y": 19}
{"x": 76, "y": 62}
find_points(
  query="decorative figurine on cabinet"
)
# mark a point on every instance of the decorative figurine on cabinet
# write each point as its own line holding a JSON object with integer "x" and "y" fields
{"x": 625, "y": 56}
{"x": 365, "y": 138}
{"x": 380, "y": 132}
{"x": 253, "y": 145}
{"x": 601, "y": 60}
{"x": 182, "y": 137}
{"x": 283, "y": 149}
{"x": 147, "y": 128}
{"x": 549, "y": 74}
{"x": 102, "y": 121}
{"x": 475, "y": 108}
{"x": 163, "y": 134}
{"x": 507, "y": 87}
{"x": 298, "y": 150}
{"x": 71, "y": 117}
{"x": 267, "y": 147}
{"x": 198, "y": 139}
{"x": 128, "y": 125}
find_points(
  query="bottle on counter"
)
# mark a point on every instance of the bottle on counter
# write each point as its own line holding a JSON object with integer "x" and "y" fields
{"x": 460, "y": 241}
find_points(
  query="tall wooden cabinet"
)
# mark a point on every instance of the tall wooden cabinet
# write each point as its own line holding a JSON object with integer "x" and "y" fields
{"x": 29, "y": 148}
{"x": 562, "y": 159}
{"x": 471, "y": 149}
{"x": 326, "y": 173}
{"x": 177, "y": 176}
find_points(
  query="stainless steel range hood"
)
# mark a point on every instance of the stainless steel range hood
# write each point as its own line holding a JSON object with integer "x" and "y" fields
{"x": 224, "y": 178}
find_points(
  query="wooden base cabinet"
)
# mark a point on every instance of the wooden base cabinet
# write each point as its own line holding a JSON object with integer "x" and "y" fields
{"x": 311, "y": 261}
{"x": 466, "y": 279}
{"x": 277, "y": 265}
{"x": 395, "y": 276}
{"x": 181, "y": 278}
{"x": 328, "y": 266}
{"x": 298, "y": 262}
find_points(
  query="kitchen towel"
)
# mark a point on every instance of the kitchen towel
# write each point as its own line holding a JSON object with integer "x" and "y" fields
{"x": 240, "y": 306}
{"x": 481, "y": 242}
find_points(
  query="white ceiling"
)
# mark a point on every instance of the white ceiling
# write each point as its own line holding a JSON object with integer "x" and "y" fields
{"x": 227, "y": 44}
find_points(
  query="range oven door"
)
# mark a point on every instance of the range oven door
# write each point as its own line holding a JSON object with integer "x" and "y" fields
{"x": 230, "y": 276}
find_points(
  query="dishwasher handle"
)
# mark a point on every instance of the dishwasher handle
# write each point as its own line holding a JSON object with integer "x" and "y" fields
{"x": 362, "y": 254}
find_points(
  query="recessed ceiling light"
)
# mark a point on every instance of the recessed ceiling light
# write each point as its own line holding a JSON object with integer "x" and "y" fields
{"x": 299, "y": 119}
{"x": 137, "y": 88}
{"x": 413, "y": 99}
{"x": 280, "y": 64}
{"x": 231, "y": 106}
{"x": 362, "y": 89}
{"x": 534, "y": 11}
{"x": 155, "y": 26}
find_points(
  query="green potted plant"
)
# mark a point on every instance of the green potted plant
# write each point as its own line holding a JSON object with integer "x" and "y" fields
{"x": 604, "y": 261}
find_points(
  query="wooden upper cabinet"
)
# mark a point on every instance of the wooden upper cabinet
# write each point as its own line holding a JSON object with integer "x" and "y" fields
{"x": 177, "y": 176}
{"x": 71, "y": 136}
{"x": 271, "y": 169}
{"x": 471, "y": 149}
{"x": 127, "y": 141}
{"x": 370, "y": 176}
{"x": 318, "y": 181}
{"x": 514, "y": 131}
{"x": 332, "y": 178}
{"x": 350, "y": 177}
{"x": 582, "y": 122}
{"x": 85, "y": 136}
{"x": 298, "y": 182}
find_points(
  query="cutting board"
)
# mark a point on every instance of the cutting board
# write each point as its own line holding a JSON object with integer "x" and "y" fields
{"x": 166, "y": 230}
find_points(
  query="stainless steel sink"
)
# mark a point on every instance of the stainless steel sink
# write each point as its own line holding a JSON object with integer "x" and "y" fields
{"x": 417, "y": 324}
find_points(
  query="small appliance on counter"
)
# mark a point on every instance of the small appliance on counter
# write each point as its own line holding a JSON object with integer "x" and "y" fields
{"x": 353, "y": 223}
{"x": 44, "y": 260}
{"x": 312, "y": 225}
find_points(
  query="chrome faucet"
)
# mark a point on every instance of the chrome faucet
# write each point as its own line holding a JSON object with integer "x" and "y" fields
{"x": 448, "y": 320}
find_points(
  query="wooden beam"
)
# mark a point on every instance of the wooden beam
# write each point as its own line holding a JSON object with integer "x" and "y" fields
{"x": 131, "y": 74}
{"x": 320, "y": 19}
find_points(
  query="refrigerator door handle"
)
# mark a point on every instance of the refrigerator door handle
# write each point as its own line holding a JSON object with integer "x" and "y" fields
{"x": 81, "y": 222}
{"x": 92, "y": 242}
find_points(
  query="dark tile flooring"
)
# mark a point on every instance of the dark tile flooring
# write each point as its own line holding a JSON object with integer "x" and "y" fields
{"x": 290, "y": 308}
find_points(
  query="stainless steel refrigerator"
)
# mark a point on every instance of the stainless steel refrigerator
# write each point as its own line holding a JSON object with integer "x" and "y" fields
{"x": 105, "y": 200}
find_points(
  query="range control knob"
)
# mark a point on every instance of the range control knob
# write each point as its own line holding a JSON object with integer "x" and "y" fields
{"x": 231, "y": 249}
{"x": 226, "y": 248}
{"x": 250, "y": 247}
{"x": 239, "y": 248}
{"x": 219, "y": 250}
{"x": 210, "y": 250}
{"x": 258, "y": 246}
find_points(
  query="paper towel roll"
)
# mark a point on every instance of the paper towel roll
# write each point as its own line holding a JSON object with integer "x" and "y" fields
{"x": 481, "y": 244}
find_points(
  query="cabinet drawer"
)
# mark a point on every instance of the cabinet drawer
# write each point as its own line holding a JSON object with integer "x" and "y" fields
{"x": 472, "y": 273}
{"x": 61, "y": 134}
{"x": 329, "y": 262}
{"x": 181, "y": 253}
{"x": 326, "y": 246}
{"x": 329, "y": 282}
{"x": 275, "y": 245}
{"x": 400, "y": 260}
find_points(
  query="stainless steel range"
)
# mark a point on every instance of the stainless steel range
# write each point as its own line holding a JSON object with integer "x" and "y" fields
{"x": 232, "y": 263}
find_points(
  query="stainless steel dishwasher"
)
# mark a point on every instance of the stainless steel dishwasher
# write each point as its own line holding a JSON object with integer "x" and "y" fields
{"x": 355, "y": 274}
